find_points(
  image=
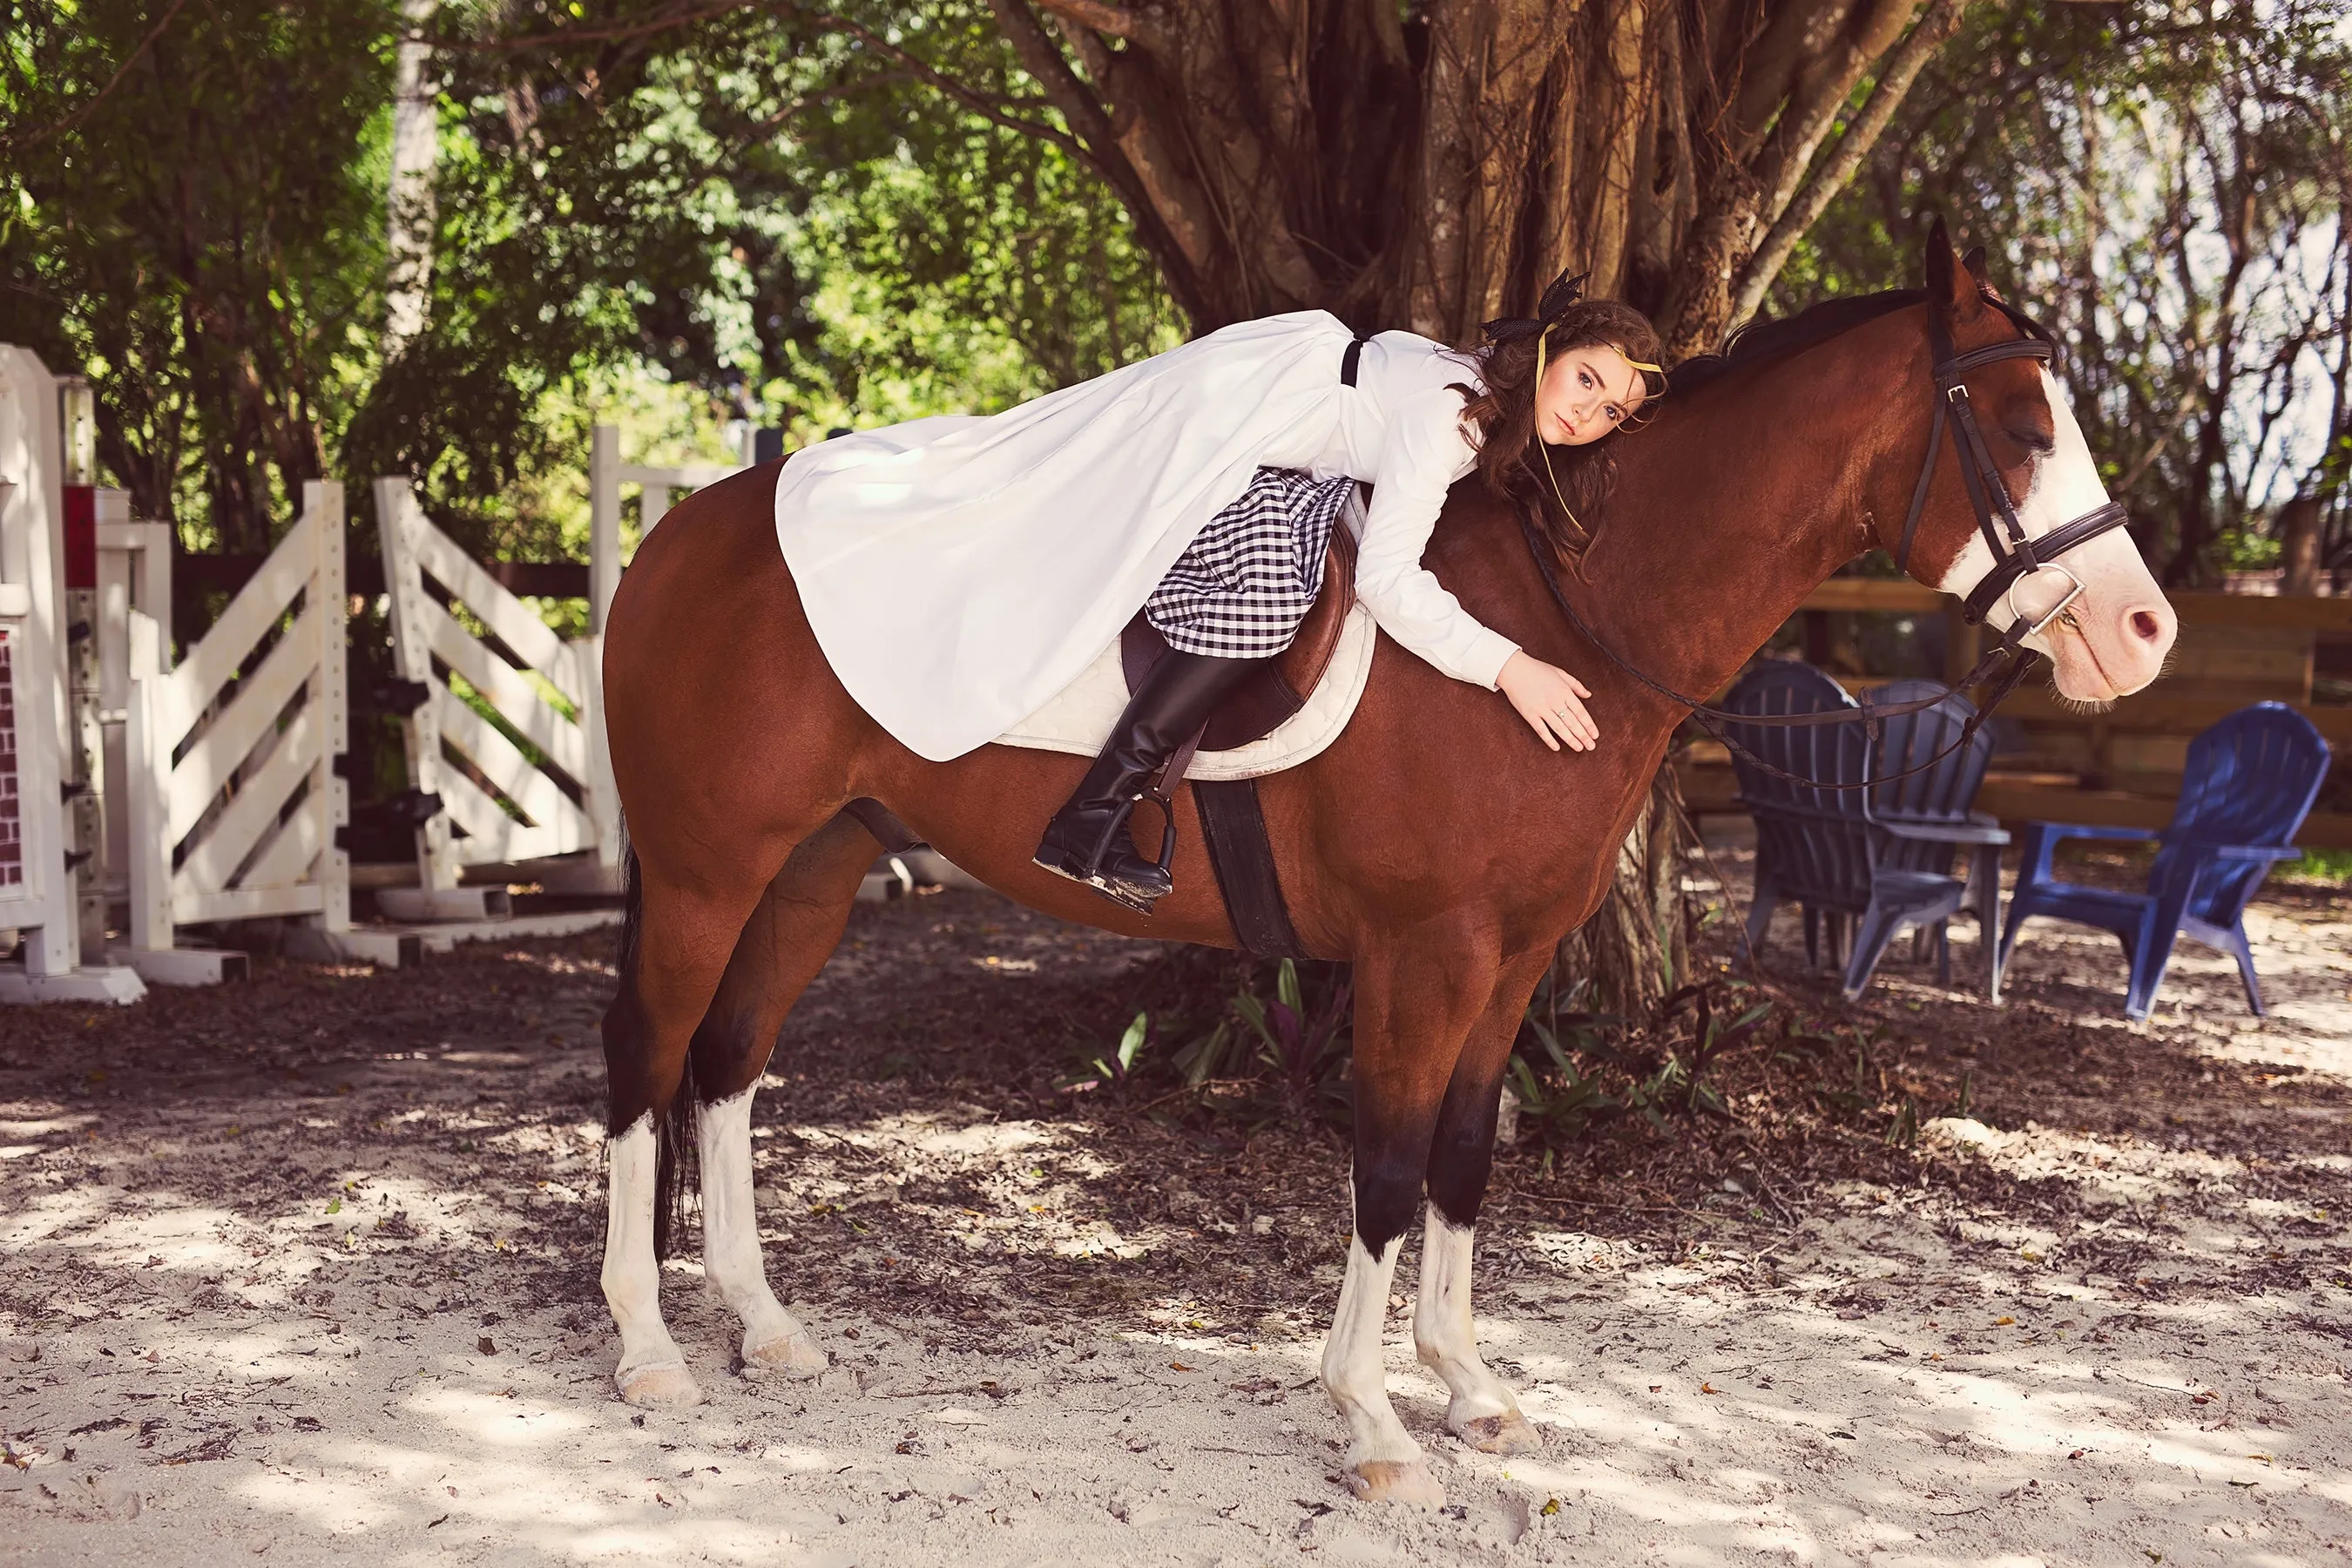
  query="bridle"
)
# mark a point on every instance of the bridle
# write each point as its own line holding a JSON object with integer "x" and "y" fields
{"x": 2016, "y": 558}
{"x": 2015, "y": 555}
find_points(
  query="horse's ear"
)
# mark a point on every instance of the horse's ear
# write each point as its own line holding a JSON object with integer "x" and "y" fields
{"x": 1951, "y": 286}
{"x": 1974, "y": 261}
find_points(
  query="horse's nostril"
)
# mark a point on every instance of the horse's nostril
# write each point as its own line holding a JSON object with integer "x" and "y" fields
{"x": 2147, "y": 626}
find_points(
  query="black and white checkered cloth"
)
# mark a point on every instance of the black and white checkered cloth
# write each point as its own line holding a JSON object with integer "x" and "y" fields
{"x": 1250, "y": 575}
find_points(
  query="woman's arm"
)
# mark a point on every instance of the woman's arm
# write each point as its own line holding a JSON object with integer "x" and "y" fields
{"x": 1425, "y": 452}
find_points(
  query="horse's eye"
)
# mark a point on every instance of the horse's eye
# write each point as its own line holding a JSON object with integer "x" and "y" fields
{"x": 2036, "y": 441}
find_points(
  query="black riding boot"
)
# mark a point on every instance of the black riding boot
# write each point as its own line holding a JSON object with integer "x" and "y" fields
{"x": 1088, "y": 841}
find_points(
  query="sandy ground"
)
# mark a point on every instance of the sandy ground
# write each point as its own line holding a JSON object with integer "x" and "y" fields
{"x": 304, "y": 1271}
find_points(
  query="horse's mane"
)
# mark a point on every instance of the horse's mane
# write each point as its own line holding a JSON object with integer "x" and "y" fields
{"x": 1763, "y": 342}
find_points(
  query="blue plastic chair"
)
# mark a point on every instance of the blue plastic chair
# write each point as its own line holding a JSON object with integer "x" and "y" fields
{"x": 1881, "y": 857}
{"x": 2250, "y": 782}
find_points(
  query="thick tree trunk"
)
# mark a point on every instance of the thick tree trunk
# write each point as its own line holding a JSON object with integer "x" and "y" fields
{"x": 1637, "y": 948}
{"x": 1281, "y": 154}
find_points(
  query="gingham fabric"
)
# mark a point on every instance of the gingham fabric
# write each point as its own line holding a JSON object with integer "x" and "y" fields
{"x": 1252, "y": 574}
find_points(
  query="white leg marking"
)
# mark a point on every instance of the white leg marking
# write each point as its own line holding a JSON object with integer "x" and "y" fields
{"x": 1383, "y": 1461}
{"x": 651, "y": 1372}
{"x": 772, "y": 1338}
{"x": 1483, "y": 1413}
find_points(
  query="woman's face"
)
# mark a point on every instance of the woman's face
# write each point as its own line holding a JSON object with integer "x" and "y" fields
{"x": 1585, "y": 393}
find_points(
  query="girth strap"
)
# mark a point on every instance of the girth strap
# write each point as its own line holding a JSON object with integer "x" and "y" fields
{"x": 1243, "y": 859}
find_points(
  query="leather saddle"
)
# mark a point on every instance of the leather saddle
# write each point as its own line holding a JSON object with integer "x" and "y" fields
{"x": 1282, "y": 686}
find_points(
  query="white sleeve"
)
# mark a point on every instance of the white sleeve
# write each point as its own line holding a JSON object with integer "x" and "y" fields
{"x": 1425, "y": 452}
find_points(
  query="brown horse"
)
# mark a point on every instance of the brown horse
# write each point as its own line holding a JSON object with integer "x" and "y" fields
{"x": 1436, "y": 844}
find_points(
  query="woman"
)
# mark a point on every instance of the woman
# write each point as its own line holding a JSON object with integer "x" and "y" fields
{"x": 959, "y": 573}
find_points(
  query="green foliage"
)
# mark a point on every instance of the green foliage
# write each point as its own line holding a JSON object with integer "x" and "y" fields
{"x": 2163, "y": 188}
{"x": 191, "y": 215}
{"x": 1571, "y": 1069}
{"x": 757, "y": 218}
{"x": 1116, "y": 1065}
{"x": 1275, "y": 1049}
{"x": 2322, "y": 865}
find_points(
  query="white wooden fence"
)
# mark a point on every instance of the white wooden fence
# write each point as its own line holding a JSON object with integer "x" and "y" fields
{"x": 535, "y": 784}
{"x": 234, "y": 792}
{"x": 606, "y": 475}
{"x": 38, "y": 892}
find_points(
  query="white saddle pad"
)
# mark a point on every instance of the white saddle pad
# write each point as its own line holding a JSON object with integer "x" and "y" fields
{"x": 1079, "y": 720}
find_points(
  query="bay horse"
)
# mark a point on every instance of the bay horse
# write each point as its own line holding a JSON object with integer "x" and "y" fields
{"x": 1436, "y": 844}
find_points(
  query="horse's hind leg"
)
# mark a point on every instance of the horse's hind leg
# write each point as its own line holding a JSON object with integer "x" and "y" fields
{"x": 786, "y": 941}
{"x": 1482, "y": 1411}
{"x": 674, "y": 950}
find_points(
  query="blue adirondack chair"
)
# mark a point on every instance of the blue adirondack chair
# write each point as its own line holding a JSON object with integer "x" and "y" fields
{"x": 2250, "y": 782}
{"x": 1881, "y": 857}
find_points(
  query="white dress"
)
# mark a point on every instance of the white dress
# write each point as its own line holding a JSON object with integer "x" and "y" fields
{"x": 961, "y": 572}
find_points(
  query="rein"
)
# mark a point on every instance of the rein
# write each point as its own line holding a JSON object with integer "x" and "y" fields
{"x": 1711, "y": 719}
{"x": 2015, "y": 555}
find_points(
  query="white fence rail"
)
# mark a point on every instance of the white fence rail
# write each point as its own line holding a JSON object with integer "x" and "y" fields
{"x": 37, "y": 894}
{"x": 134, "y": 573}
{"x": 234, "y": 793}
{"x": 606, "y": 475}
{"x": 536, "y": 781}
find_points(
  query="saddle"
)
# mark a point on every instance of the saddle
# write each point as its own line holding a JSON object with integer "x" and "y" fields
{"x": 1280, "y": 687}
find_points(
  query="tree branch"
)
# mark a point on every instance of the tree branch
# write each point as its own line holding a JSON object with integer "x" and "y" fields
{"x": 1941, "y": 21}
{"x": 1102, "y": 149}
{"x": 986, "y": 105}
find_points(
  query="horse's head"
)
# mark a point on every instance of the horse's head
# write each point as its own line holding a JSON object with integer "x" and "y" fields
{"x": 2112, "y": 638}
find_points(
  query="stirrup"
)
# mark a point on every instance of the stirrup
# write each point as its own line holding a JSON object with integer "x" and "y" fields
{"x": 1090, "y": 874}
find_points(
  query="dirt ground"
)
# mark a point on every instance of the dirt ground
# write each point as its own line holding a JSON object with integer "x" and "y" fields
{"x": 305, "y": 1270}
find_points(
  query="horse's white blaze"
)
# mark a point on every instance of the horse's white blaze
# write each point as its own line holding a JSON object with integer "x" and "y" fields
{"x": 1351, "y": 1361}
{"x": 1442, "y": 1331}
{"x": 2064, "y": 485}
{"x": 731, "y": 1236}
{"x": 632, "y": 1280}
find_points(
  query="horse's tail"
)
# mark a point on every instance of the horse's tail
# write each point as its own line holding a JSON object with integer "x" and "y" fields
{"x": 674, "y": 1144}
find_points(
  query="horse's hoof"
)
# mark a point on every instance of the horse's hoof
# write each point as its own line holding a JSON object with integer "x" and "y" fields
{"x": 1509, "y": 1433}
{"x": 794, "y": 1355}
{"x": 1393, "y": 1480}
{"x": 664, "y": 1386}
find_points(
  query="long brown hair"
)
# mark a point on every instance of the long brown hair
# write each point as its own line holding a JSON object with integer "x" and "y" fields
{"x": 1505, "y": 414}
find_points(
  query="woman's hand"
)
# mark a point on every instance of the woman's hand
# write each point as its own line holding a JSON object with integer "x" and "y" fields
{"x": 1550, "y": 700}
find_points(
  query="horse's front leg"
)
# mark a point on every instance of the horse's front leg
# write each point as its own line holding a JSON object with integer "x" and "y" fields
{"x": 1416, "y": 1003}
{"x": 787, "y": 939}
{"x": 1482, "y": 1412}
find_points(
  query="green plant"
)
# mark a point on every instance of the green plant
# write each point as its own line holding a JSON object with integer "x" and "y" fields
{"x": 2326, "y": 865}
{"x": 1115, "y": 1067}
{"x": 1573, "y": 1068}
{"x": 1302, "y": 1046}
{"x": 1563, "y": 1107}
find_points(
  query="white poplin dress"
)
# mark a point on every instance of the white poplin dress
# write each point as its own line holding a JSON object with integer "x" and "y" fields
{"x": 961, "y": 572}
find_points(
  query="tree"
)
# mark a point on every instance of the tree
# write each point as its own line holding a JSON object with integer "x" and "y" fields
{"x": 186, "y": 215}
{"x": 2167, "y": 190}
